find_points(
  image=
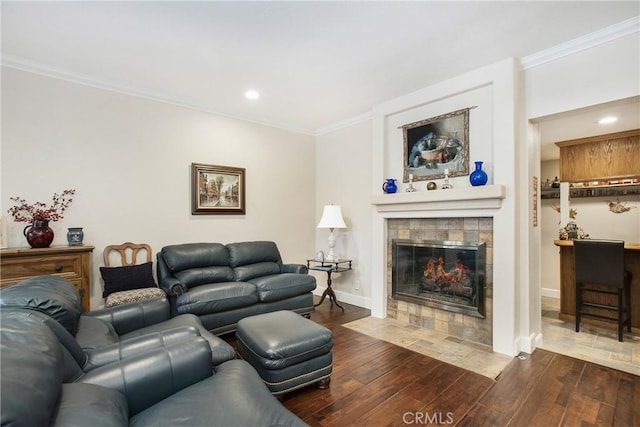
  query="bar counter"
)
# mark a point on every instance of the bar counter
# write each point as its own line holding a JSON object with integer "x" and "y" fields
{"x": 567, "y": 284}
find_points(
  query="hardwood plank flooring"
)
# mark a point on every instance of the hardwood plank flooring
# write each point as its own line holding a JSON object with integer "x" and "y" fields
{"x": 375, "y": 383}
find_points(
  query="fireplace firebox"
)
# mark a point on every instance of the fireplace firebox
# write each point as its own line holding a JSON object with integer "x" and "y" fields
{"x": 448, "y": 275}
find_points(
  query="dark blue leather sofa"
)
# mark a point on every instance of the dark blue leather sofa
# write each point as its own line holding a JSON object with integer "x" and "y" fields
{"x": 222, "y": 284}
{"x": 147, "y": 377}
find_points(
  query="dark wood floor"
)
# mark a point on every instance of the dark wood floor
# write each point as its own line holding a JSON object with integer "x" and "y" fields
{"x": 375, "y": 383}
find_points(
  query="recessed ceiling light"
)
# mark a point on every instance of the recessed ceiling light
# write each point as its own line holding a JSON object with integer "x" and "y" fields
{"x": 252, "y": 94}
{"x": 608, "y": 120}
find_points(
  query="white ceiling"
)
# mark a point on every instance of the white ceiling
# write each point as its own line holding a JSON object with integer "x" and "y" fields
{"x": 316, "y": 63}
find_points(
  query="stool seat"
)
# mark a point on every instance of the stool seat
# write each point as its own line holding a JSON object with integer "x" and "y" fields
{"x": 288, "y": 350}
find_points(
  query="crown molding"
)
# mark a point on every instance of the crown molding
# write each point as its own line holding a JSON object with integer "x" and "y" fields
{"x": 56, "y": 73}
{"x": 607, "y": 34}
{"x": 343, "y": 124}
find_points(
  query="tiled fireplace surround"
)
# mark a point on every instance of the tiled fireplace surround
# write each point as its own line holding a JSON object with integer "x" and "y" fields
{"x": 471, "y": 229}
{"x": 463, "y": 214}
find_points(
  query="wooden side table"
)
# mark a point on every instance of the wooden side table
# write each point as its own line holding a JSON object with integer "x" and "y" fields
{"x": 71, "y": 262}
{"x": 337, "y": 266}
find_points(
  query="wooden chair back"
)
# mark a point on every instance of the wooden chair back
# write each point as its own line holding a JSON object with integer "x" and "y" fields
{"x": 128, "y": 253}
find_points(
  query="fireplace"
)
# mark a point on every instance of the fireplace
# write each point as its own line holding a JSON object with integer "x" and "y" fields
{"x": 448, "y": 275}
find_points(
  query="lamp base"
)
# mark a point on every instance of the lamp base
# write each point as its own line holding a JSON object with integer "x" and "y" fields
{"x": 331, "y": 256}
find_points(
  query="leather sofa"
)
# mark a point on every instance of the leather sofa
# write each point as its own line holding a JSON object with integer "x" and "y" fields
{"x": 125, "y": 365}
{"x": 41, "y": 384}
{"x": 222, "y": 284}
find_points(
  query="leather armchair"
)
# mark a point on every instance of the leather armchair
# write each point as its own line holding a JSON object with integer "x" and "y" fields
{"x": 171, "y": 385}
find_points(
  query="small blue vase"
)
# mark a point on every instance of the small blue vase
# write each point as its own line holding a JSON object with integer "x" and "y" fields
{"x": 389, "y": 186}
{"x": 75, "y": 236}
{"x": 478, "y": 176}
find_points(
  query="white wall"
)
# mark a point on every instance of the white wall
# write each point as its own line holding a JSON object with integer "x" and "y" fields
{"x": 549, "y": 226}
{"x": 343, "y": 171}
{"x": 129, "y": 160}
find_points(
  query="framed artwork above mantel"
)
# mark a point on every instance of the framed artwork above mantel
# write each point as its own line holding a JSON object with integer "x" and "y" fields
{"x": 435, "y": 145}
{"x": 217, "y": 190}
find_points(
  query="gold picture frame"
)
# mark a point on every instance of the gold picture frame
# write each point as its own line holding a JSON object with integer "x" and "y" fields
{"x": 436, "y": 144}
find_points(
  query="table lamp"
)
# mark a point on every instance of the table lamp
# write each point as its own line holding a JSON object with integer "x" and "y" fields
{"x": 331, "y": 218}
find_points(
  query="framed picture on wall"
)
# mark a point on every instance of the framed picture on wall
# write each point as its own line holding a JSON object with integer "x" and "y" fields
{"x": 434, "y": 145}
{"x": 217, "y": 190}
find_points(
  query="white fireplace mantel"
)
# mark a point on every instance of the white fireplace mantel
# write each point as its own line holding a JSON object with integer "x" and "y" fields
{"x": 481, "y": 197}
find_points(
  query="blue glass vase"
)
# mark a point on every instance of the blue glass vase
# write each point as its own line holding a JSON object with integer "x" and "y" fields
{"x": 478, "y": 176}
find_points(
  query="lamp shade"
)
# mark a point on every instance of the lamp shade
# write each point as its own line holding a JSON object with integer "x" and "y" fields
{"x": 332, "y": 217}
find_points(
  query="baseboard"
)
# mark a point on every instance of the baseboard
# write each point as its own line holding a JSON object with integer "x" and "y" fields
{"x": 357, "y": 300}
{"x": 548, "y": 292}
{"x": 528, "y": 344}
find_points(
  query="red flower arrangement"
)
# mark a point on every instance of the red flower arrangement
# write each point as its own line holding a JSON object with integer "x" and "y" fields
{"x": 38, "y": 211}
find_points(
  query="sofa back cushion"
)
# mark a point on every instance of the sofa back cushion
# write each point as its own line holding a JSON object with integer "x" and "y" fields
{"x": 51, "y": 295}
{"x": 204, "y": 275}
{"x": 32, "y": 370}
{"x": 254, "y": 259}
{"x": 196, "y": 264}
{"x": 194, "y": 255}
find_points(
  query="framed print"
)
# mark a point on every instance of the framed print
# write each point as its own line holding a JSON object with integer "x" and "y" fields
{"x": 435, "y": 144}
{"x": 217, "y": 190}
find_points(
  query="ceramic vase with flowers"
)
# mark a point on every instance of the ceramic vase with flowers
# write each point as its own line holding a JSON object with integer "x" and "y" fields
{"x": 38, "y": 214}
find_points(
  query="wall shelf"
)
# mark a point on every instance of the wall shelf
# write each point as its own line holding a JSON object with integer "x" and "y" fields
{"x": 613, "y": 190}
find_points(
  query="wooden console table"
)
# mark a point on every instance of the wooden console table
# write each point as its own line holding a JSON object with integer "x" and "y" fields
{"x": 337, "y": 266}
{"x": 567, "y": 281}
{"x": 71, "y": 262}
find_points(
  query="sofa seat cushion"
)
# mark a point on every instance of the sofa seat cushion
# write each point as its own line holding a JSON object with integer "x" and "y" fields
{"x": 83, "y": 404}
{"x": 94, "y": 333}
{"x": 238, "y": 398}
{"x": 277, "y": 287}
{"x": 217, "y": 297}
{"x": 245, "y": 273}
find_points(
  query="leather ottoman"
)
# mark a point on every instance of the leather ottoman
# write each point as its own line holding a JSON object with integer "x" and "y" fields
{"x": 288, "y": 350}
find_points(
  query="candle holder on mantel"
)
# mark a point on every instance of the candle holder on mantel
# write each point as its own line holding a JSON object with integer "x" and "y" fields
{"x": 446, "y": 185}
{"x": 411, "y": 189}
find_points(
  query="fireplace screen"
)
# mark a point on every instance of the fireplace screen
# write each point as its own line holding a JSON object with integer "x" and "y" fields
{"x": 443, "y": 274}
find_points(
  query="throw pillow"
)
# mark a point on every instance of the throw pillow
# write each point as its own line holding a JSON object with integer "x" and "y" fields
{"x": 126, "y": 278}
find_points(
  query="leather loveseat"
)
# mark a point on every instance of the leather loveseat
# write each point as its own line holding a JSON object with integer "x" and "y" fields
{"x": 222, "y": 284}
{"x": 41, "y": 384}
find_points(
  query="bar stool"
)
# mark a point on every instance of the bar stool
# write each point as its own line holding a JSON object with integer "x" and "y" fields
{"x": 601, "y": 262}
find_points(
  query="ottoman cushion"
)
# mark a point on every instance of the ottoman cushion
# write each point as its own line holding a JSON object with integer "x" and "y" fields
{"x": 281, "y": 339}
{"x": 287, "y": 350}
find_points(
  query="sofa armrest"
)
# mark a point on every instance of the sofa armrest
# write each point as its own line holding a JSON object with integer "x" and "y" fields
{"x": 294, "y": 268}
{"x": 172, "y": 286}
{"x": 136, "y": 345}
{"x": 150, "y": 377}
{"x": 130, "y": 317}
